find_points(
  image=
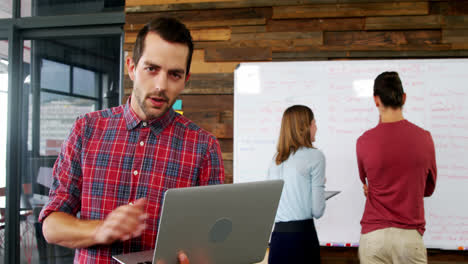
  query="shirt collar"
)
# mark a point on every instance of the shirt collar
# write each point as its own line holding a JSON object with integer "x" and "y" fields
{"x": 157, "y": 125}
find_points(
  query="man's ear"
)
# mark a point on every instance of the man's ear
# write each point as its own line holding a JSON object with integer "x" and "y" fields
{"x": 404, "y": 98}
{"x": 130, "y": 67}
{"x": 187, "y": 77}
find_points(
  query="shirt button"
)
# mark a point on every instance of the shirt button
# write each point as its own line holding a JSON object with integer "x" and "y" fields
{"x": 142, "y": 143}
{"x": 144, "y": 124}
{"x": 135, "y": 172}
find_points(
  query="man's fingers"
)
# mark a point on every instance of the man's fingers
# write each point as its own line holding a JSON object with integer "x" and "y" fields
{"x": 124, "y": 223}
{"x": 183, "y": 259}
{"x": 140, "y": 203}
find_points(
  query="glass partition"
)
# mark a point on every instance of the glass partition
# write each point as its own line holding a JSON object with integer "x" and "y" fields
{"x": 69, "y": 7}
{"x": 63, "y": 78}
{"x": 6, "y": 8}
{"x": 3, "y": 138}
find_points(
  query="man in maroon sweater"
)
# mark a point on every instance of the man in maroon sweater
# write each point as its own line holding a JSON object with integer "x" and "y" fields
{"x": 397, "y": 166}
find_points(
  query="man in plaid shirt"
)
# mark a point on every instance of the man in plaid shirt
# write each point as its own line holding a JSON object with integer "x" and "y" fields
{"x": 116, "y": 164}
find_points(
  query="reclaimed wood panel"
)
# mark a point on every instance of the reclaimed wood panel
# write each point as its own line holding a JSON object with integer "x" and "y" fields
{"x": 227, "y": 156}
{"x": 315, "y": 24}
{"x": 134, "y": 7}
{"x": 226, "y": 22}
{"x": 128, "y": 85}
{"x": 219, "y": 130}
{"x": 458, "y": 7}
{"x": 409, "y": 47}
{"x": 455, "y": 22}
{"x": 455, "y": 36}
{"x": 351, "y": 10}
{"x": 227, "y": 144}
{"x": 430, "y": 47}
{"x": 459, "y": 46}
{"x": 207, "y": 112}
{"x": 130, "y": 37}
{"x": 316, "y": 36}
{"x": 198, "y": 103}
{"x": 128, "y": 47}
{"x": 403, "y": 22}
{"x": 369, "y": 54}
{"x": 263, "y": 43}
{"x": 438, "y": 8}
{"x": 248, "y": 29}
{"x": 200, "y": 66}
{"x": 237, "y": 54}
{"x": 308, "y": 55}
{"x": 209, "y": 34}
{"x": 201, "y": 24}
{"x": 228, "y": 171}
{"x": 205, "y": 18}
{"x": 349, "y": 255}
{"x": 209, "y": 116}
{"x": 383, "y": 38}
{"x": 210, "y": 83}
{"x": 160, "y": 2}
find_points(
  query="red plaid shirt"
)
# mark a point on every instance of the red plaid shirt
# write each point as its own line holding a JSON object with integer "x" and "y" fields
{"x": 112, "y": 158}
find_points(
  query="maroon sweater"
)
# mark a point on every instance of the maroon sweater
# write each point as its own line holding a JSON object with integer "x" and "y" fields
{"x": 398, "y": 161}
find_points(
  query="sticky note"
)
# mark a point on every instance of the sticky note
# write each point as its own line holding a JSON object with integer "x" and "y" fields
{"x": 177, "y": 105}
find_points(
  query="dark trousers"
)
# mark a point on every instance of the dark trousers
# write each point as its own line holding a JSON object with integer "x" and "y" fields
{"x": 294, "y": 242}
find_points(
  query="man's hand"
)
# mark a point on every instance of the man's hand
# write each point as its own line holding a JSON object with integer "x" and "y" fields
{"x": 181, "y": 259}
{"x": 125, "y": 222}
{"x": 365, "y": 189}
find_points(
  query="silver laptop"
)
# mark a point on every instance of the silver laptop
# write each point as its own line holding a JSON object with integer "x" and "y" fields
{"x": 228, "y": 223}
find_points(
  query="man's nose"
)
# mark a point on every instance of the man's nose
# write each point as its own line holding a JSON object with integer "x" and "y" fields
{"x": 160, "y": 82}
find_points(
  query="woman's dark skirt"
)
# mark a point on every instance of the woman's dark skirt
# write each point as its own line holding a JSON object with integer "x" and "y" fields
{"x": 294, "y": 242}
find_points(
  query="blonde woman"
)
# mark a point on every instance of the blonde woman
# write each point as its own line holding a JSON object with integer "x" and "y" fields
{"x": 302, "y": 167}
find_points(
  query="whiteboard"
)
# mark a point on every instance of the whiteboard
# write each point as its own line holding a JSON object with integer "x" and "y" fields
{"x": 340, "y": 94}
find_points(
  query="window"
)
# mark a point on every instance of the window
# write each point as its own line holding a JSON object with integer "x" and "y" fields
{"x": 60, "y": 67}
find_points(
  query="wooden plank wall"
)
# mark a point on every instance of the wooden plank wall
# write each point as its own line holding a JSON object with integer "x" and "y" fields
{"x": 227, "y": 32}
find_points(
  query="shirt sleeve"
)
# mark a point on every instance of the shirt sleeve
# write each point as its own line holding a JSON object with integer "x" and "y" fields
{"x": 317, "y": 174}
{"x": 65, "y": 193}
{"x": 212, "y": 169}
{"x": 432, "y": 170}
{"x": 362, "y": 171}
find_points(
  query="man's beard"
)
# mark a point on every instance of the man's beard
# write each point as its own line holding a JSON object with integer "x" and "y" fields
{"x": 145, "y": 108}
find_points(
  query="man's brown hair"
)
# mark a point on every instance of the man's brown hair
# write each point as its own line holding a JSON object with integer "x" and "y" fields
{"x": 169, "y": 29}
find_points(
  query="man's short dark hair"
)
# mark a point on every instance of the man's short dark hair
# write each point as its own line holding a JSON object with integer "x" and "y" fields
{"x": 389, "y": 88}
{"x": 169, "y": 29}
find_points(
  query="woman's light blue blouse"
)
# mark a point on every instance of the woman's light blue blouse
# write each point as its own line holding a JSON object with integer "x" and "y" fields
{"x": 303, "y": 195}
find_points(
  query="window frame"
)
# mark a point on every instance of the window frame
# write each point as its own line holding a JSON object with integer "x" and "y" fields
{"x": 15, "y": 30}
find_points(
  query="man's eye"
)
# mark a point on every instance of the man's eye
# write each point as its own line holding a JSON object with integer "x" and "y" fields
{"x": 177, "y": 76}
{"x": 150, "y": 68}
